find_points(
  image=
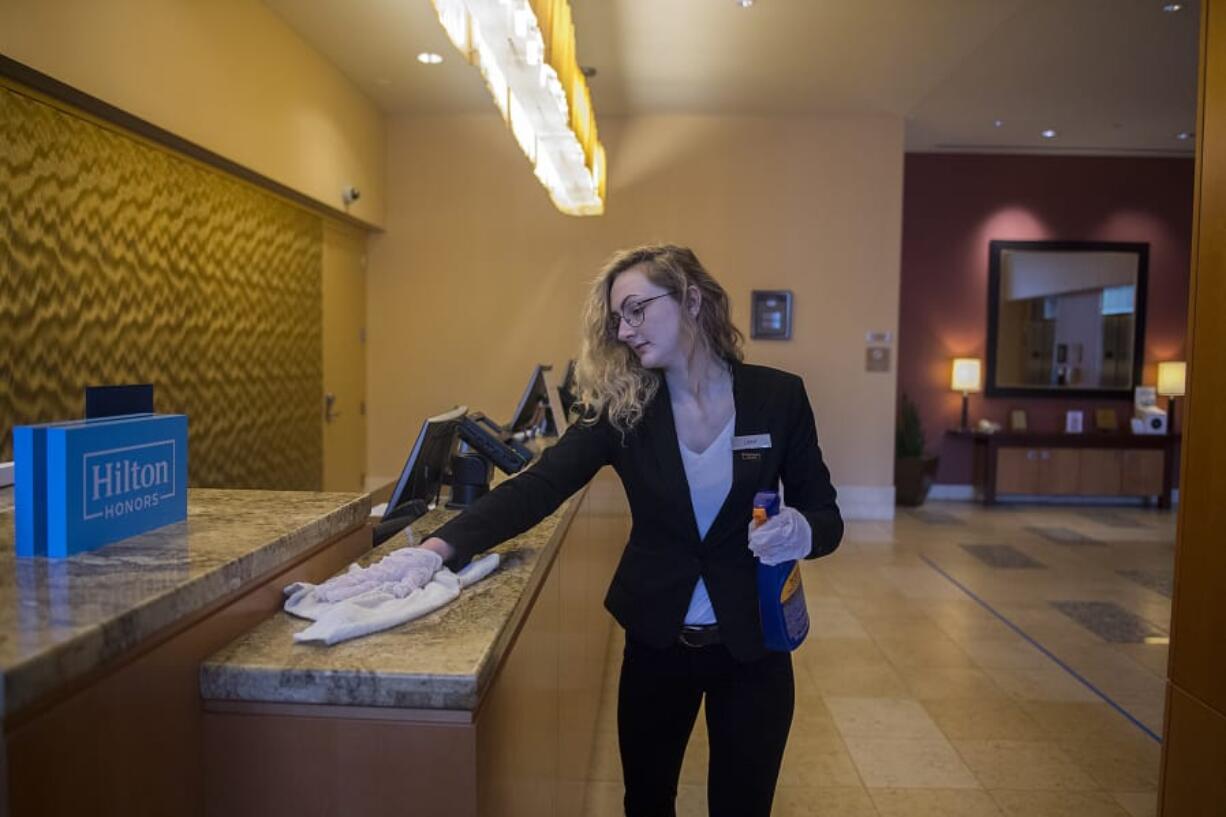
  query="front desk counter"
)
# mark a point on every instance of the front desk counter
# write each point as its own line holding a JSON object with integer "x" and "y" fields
{"x": 100, "y": 653}
{"x": 485, "y": 707}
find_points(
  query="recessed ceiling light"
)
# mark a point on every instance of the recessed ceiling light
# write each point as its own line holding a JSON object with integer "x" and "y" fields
{"x": 998, "y": 123}
{"x": 1183, "y": 136}
{"x": 1048, "y": 134}
{"x": 743, "y": 3}
{"x": 1171, "y": 8}
{"x": 429, "y": 58}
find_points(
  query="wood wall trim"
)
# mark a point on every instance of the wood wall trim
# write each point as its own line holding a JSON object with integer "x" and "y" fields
{"x": 1195, "y": 726}
{"x": 1198, "y": 615}
{"x": 1192, "y": 782}
{"x": 67, "y": 95}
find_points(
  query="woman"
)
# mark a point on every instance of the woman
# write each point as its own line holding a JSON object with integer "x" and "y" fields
{"x": 693, "y": 433}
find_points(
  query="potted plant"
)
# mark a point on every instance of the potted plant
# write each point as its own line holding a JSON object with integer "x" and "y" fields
{"x": 913, "y": 471}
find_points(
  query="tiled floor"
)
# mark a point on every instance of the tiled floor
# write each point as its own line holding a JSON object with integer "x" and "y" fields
{"x": 967, "y": 662}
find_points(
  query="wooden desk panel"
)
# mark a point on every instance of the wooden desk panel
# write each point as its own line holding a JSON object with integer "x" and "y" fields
{"x": 1072, "y": 464}
{"x": 1141, "y": 474}
{"x": 130, "y": 737}
{"x": 1060, "y": 471}
{"x": 523, "y": 751}
{"x": 1100, "y": 472}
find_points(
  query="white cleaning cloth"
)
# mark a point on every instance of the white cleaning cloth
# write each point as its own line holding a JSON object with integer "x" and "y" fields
{"x": 378, "y": 608}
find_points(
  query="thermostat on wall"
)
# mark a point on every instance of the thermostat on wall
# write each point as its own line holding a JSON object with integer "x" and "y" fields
{"x": 772, "y": 314}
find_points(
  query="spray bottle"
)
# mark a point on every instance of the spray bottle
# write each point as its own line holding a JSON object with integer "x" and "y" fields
{"x": 781, "y": 598}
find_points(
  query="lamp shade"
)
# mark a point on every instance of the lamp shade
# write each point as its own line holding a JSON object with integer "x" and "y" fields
{"x": 1172, "y": 378}
{"x": 967, "y": 375}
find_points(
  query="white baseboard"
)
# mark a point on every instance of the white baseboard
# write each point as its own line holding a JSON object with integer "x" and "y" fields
{"x": 866, "y": 501}
{"x": 1084, "y": 501}
{"x": 952, "y": 492}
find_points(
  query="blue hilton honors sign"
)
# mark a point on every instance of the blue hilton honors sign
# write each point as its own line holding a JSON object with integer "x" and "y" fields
{"x": 84, "y": 484}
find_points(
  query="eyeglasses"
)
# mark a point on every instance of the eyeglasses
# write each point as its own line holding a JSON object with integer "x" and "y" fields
{"x": 634, "y": 314}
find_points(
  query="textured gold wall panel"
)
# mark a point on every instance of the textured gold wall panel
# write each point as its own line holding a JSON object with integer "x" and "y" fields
{"x": 121, "y": 262}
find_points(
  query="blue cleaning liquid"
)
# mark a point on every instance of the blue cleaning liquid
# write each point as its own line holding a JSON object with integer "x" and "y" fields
{"x": 781, "y": 596}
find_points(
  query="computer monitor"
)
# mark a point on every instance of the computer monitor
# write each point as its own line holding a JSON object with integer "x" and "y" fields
{"x": 422, "y": 476}
{"x": 118, "y": 401}
{"x": 539, "y": 412}
{"x": 561, "y": 421}
{"x": 566, "y": 390}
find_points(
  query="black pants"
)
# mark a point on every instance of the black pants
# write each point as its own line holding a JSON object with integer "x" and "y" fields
{"x": 749, "y": 712}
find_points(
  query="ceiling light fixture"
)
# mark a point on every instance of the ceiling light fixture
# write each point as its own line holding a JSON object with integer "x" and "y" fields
{"x": 1171, "y": 8}
{"x": 525, "y": 50}
{"x": 1048, "y": 134}
{"x": 429, "y": 58}
{"x": 744, "y": 3}
{"x": 998, "y": 123}
{"x": 1183, "y": 136}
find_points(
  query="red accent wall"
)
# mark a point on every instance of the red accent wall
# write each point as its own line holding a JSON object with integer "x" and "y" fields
{"x": 953, "y": 205}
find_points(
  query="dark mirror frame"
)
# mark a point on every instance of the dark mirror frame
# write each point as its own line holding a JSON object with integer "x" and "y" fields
{"x": 995, "y": 248}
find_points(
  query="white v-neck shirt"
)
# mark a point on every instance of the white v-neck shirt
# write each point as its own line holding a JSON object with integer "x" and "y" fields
{"x": 709, "y": 475}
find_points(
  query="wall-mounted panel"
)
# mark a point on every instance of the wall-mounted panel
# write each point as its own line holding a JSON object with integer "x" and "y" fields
{"x": 123, "y": 262}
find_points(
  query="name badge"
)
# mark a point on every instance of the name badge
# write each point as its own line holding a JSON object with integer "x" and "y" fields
{"x": 751, "y": 441}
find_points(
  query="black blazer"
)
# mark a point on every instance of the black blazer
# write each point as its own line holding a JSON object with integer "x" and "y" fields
{"x": 651, "y": 589}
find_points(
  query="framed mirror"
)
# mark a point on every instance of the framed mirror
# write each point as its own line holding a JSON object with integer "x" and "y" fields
{"x": 1065, "y": 318}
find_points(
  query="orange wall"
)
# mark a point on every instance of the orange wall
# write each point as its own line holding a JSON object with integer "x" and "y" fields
{"x": 225, "y": 74}
{"x": 478, "y": 277}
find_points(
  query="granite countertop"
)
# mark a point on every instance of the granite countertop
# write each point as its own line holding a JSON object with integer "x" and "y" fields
{"x": 62, "y": 618}
{"x": 444, "y": 660}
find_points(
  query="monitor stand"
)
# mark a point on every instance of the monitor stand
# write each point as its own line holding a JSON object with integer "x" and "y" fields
{"x": 399, "y": 519}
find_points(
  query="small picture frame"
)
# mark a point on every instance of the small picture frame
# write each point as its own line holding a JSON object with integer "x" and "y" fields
{"x": 772, "y": 314}
{"x": 1106, "y": 420}
{"x": 1074, "y": 422}
{"x": 1017, "y": 420}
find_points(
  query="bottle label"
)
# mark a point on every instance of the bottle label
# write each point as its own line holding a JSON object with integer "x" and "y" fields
{"x": 791, "y": 585}
{"x": 795, "y": 612}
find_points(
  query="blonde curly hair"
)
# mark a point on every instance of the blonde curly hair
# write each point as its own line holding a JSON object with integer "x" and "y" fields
{"x": 609, "y": 379}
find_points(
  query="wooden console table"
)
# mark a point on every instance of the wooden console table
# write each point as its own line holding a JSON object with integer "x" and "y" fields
{"x": 1090, "y": 464}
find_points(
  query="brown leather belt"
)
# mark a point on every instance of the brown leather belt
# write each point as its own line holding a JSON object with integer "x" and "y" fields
{"x": 700, "y": 635}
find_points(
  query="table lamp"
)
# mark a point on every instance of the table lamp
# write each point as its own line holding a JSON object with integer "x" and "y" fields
{"x": 1172, "y": 383}
{"x": 967, "y": 377}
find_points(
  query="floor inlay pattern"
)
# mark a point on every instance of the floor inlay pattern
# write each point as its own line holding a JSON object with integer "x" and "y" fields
{"x": 1109, "y": 621}
{"x": 1063, "y": 536}
{"x": 1163, "y": 583}
{"x": 1002, "y": 556}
